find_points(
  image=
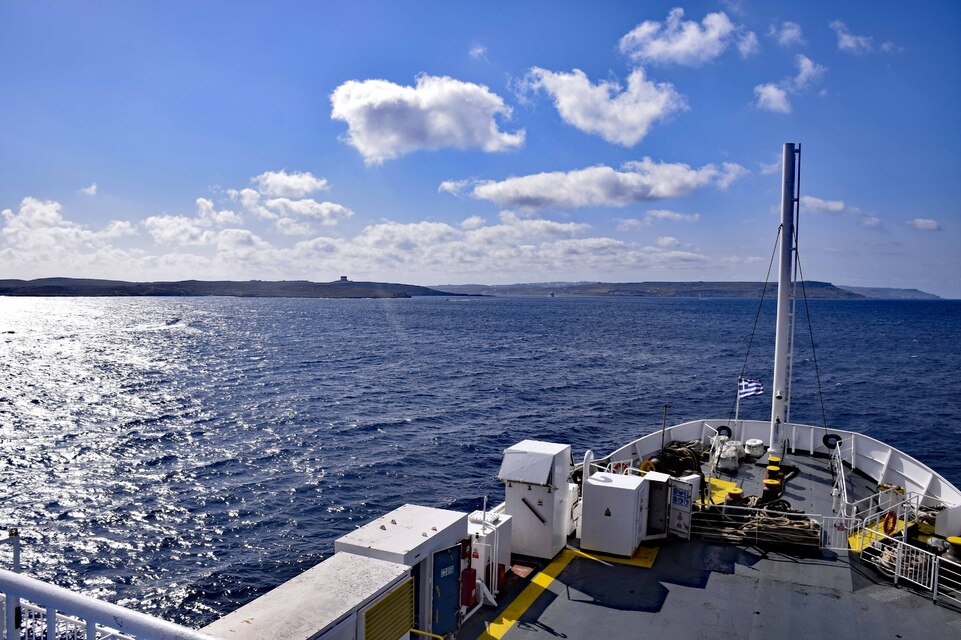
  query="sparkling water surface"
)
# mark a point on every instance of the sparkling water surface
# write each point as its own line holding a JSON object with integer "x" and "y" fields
{"x": 184, "y": 455}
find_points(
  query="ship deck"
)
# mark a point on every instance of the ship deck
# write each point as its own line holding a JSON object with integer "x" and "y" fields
{"x": 701, "y": 589}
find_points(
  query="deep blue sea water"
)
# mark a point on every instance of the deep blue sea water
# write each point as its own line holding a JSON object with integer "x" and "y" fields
{"x": 181, "y": 456}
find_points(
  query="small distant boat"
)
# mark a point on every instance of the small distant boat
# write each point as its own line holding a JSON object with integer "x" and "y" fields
{"x": 173, "y": 321}
{"x": 551, "y": 294}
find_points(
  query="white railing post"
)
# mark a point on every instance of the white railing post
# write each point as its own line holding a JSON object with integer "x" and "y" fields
{"x": 12, "y": 603}
{"x": 51, "y": 623}
{"x": 937, "y": 573}
{"x": 14, "y": 535}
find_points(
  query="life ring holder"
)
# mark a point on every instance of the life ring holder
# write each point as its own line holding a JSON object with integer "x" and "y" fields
{"x": 724, "y": 430}
{"x": 831, "y": 440}
{"x": 621, "y": 467}
{"x": 890, "y": 522}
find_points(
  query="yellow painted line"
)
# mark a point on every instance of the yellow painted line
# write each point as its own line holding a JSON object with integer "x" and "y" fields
{"x": 496, "y": 630}
{"x": 644, "y": 557}
{"x": 510, "y": 615}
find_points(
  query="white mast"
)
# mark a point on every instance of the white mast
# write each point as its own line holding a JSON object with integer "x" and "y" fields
{"x": 782, "y": 335}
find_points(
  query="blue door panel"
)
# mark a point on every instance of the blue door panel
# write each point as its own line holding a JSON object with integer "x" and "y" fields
{"x": 446, "y": 591}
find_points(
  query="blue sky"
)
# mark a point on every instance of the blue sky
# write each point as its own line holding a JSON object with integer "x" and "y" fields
{"x": 486, "y": 142}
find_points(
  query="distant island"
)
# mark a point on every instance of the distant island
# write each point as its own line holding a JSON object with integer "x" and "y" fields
{"x": 686, "y": 290}
{"x": 342, "y": 288}
{"x": 345, "y": 288}
{"x": 887, "y": 293}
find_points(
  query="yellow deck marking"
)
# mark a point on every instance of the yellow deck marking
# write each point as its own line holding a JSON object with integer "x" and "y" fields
{"x": 644, "y": 557}
{"x": 719, "y": 489}
{"x": 872, "y": 533}
{"x": 509, "y": 616}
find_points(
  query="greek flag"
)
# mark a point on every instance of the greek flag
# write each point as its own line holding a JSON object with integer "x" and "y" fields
{"x": 747, "y": 388}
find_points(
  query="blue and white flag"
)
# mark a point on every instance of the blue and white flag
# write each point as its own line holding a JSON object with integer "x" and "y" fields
{"x": 747, "y": 388}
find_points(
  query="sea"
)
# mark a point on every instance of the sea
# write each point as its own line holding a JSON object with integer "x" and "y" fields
{"x": 181, "y": 456}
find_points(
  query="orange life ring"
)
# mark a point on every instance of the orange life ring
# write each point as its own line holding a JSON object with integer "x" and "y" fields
{"x": 621, "y": 467}
{"x": 890, "y": 522}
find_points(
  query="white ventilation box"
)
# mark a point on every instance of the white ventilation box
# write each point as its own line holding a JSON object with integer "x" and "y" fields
{"x": 619, "y": 512}
{"x": 490, "y": 546}
{"x": 537, "y": 496}
{"x": 613, "y": 517}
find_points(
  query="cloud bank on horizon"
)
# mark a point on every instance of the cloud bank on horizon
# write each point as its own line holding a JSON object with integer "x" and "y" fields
{"x": 625, "y": 158}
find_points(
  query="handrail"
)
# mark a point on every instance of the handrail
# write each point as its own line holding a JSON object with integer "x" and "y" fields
{"x": 93, "y": 611}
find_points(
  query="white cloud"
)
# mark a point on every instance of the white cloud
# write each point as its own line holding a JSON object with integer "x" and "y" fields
{"x": 747, "y": 44}
{"x": 453, "y": 187}
{"x": 808, "y": 73}
{"x": 788, "y": 34}
{"x": 291, "y": 227}
{"x": 665, "y": 214}
{"x": 603, "y": 186}
{"x": 387, "y": 120}
{"x": 666, "y": 241}
{"x": 822, "y": 206}
{"x": 281, "y": 210}
{"x": 655, "y": 215}
{"x": 774, "y": 97}
{"x": 618, "y": 115}
{"x": 731, "y": 172}
{"x": 679, "y": 42}
{"x": 181, "y": 230}
{"x": 38, "y": 241}
{"x": 89, "y": 191}
{"x": 208, "y": 215}
{"x": 295, "y": 185}
{"x": 39, "y": 228}
{"x": 770, "y": 168}
{"x": 478, "y": 52}
{"x": 848, "y": 42}
{"x": 250, "y": 200}
{"x": 473, "y": 222}
{"x": 924, "y": 224}
{"x": 771, "y": 97}
{"x": 327, "y": 213}
{"x": 176, "y": 230}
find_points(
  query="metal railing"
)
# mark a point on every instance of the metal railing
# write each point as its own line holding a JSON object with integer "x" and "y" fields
{"x": 757, "y": 525}
{"x": 34, "y": 609}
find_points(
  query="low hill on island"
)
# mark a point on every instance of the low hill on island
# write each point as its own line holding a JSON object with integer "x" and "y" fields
{"x": 344, "y": 288}
{"x": 675, "y": 290}
{"x": 253, "y": 288}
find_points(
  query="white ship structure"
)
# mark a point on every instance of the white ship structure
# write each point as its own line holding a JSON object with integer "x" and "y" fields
{"x": 710, "y": 528}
